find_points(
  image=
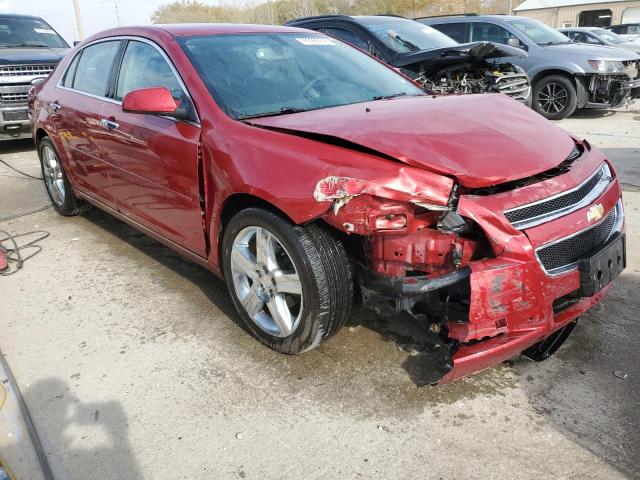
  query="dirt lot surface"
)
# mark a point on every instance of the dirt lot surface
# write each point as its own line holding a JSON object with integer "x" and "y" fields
{"x": 133, "y": 365}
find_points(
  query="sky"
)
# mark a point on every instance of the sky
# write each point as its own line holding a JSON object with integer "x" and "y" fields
{"x": 96, "y": 14}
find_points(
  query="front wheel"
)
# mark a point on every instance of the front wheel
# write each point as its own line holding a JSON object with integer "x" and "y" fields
{"x": 291, "y": 285}
{"x": 555, "y": 97}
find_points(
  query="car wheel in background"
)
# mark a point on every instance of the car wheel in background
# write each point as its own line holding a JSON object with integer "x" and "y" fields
{"x": 57, "y": 183}
{"x": 292, "y": 285}
{"x": 555, "y": 97}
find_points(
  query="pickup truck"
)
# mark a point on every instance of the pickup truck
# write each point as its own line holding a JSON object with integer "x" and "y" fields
{"x": 29, "y": 51}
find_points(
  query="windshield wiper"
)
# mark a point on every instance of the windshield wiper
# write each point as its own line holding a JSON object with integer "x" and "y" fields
{"x": 406, "y": 43}
{"x": 546, "y": 44}
{"x": 282, "y": 111}
{"x": 387, "y": 97}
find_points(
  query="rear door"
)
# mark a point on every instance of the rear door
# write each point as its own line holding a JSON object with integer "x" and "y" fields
{"x": 154, "y": 159}
{"x": 76, "y": 113}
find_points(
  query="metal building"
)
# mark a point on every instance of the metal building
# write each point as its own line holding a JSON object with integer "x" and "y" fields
{"x": 580, "y": 13}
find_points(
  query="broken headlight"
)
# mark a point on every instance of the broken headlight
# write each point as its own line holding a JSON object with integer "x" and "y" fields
{"x": 607, "y": 66}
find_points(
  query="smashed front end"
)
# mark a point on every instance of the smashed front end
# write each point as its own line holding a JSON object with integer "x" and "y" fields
{"x": 490, "y": 272}
{"x": 615, "y": 85}
{"x": 467, "y": 69}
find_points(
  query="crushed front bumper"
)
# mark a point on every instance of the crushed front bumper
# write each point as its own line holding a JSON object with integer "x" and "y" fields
{"x": 496, "y": 308}
{"x": 607, "y": 91}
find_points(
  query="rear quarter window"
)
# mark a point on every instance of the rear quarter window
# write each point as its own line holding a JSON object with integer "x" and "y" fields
{"x": 457, "y": 31}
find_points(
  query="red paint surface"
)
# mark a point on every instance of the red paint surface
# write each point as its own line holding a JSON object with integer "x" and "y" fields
{"x": 147, "y": 170}
{"x": 151, "y": 100}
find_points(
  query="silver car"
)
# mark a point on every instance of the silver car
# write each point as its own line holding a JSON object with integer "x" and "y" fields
{"x": 600, "y": 36}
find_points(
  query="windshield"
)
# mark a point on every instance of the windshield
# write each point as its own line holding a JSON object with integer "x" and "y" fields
{"x": 28, "y": 32}
{"x": 404, "y": 35}
{"x": 609, "y": 36}
{"x": 253, "y": 75}
{"x": 539, "y": 32}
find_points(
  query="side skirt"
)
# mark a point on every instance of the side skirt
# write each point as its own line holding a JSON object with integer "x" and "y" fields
{"x": 187, "y": 254}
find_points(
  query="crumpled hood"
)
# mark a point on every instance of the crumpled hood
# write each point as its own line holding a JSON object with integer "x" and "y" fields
{"x": 482, "y": 140}
{"x": 468, "y": 51}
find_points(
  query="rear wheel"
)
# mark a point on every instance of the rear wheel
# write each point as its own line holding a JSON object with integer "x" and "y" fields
{"x": 57, "y": 183}
{"x": 555, "y": 97}
{"x": 292, "y": 285}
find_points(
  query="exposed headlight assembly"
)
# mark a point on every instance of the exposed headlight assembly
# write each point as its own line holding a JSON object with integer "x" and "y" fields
{"x": 607, "y": 66}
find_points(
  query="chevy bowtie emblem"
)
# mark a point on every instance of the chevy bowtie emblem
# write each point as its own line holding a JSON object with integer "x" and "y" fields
{"x": 595, "y": 213}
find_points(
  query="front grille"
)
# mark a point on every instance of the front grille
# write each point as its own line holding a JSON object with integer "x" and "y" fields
{"x": 543, "y": 211}
{"x": 562, "y": 254}
{"x": 516, "y": 85}
{"x": 26, "y": 70}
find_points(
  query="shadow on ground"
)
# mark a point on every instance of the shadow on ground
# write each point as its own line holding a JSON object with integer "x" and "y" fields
{"x": 95, "y": 435}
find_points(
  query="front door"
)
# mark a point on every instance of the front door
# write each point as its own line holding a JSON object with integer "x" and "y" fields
{"x": 153, "y": 158}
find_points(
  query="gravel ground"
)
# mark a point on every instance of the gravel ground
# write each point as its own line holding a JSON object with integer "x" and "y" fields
{"x": 133, "y": 365}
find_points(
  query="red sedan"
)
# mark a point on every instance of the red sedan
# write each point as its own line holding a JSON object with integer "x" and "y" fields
{"x": 303, "y": 170}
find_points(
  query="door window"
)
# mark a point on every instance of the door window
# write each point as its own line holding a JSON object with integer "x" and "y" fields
{"x": 593, "y": 40}
{"x": 488, "y": 32}
{"x": 457, "y": 31}
{"x": 143, "y": 66}
{"x": 94, "y": 68}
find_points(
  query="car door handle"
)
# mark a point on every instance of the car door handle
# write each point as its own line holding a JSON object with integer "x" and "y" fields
{"x": 108, "y": 124}
{"x": 55, "y": 106}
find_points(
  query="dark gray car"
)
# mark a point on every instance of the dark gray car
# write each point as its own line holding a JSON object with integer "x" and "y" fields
{"x": 565, "y": 75}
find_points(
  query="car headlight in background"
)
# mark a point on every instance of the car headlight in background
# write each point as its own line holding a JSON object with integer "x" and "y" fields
{"x": 607, "y": 66}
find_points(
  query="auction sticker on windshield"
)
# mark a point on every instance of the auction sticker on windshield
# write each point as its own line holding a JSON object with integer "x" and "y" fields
{"x": 315, "y": 41}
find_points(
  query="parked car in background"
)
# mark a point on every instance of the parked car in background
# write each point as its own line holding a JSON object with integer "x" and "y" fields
{"x": 29, "y": 51}
{"x": 298, "y": 167}
{"x": 565, "y": 75}
{"x": 599, "y": 36}
{"x": 431, "y": 58}
{"x": 630, "y": 31}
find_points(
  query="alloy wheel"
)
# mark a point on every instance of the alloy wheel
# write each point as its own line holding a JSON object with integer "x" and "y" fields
{"x": 53, "y": 176}
{"x": 553, "y": 98}
{"x": 266, "y": 281}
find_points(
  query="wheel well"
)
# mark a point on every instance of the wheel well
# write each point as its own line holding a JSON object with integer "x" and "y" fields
{"x": 40, "y": 134}
{"x": 240, "y": 201}
{"x": 546, "y": 73}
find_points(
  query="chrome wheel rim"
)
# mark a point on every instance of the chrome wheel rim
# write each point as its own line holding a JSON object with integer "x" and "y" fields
{"x": 266, "y": 281}
{"x": 553, "y": 98}
{"x": 53, "y": 175}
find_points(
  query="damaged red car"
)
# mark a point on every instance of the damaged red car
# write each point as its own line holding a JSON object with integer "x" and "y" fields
{"x": 306, "y": 172}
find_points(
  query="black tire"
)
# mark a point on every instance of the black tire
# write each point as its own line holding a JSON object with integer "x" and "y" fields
{"x": 552, "y": 92}
{"x": 324, "y": 271}
{"x": 65, "y": 203}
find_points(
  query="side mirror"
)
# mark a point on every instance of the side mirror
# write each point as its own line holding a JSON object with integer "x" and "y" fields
{"x": 514, "y": 42}
{"x": 154, "y": 100}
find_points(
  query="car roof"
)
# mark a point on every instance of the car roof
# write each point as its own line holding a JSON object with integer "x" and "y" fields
{"x": 350, "y": 18}
{"x": 580, "y": 29}
{"x": 471, "y": 16}
{"x": 194, "y": 29}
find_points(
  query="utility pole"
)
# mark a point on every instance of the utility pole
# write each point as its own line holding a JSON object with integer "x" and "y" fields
{"x": 510, "y": 11}
{"x": 76, "y": 7}
{"x": 117, "y": 13}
